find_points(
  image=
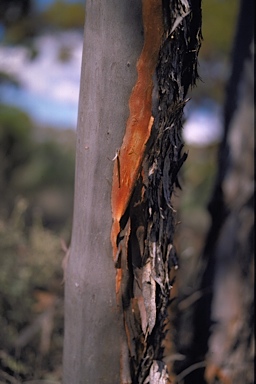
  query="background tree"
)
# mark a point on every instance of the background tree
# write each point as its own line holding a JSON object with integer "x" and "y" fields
{"x": 222, "y": 346}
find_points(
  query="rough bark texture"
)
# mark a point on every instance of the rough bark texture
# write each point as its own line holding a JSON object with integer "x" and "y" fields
{"x": 145, "y": 251}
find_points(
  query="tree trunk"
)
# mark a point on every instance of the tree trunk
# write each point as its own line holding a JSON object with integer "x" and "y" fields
{"x": 101, "y": 333}
{"x": 112, "y": 43}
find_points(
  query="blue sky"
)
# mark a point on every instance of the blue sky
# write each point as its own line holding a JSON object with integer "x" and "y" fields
{"x": 49, "y": 88}
{"x": 40, "y": 108}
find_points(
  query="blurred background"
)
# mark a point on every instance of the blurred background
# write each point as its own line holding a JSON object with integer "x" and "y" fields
{"x": 40, "y": 62}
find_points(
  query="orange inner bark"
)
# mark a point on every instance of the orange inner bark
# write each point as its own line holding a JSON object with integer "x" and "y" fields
{"x": 140, "y": 121}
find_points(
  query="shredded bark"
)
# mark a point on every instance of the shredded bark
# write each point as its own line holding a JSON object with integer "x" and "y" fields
{"x": 146, "y": 253}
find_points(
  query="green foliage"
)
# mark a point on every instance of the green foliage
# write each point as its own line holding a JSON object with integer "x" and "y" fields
{"x": 62, "y": 14}
{"x": 30, "y": 167}
{"x": 219, "y": 19}
{"x": 51, "y": 165}
{"x": 15, "y": 138}
{"x": 30, "y": 272}
{"x": 36, "y": 179}
{"x": 59, "y": 15}
{"x": 21, "y": 31}
{"x": 16, "y": 18}
{"x": 15, "y": 147}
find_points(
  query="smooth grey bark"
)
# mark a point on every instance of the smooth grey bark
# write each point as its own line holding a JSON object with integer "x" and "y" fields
{"x": 112, "y": 44}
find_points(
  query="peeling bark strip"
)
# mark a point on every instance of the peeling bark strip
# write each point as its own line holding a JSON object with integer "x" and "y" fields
{"x": 144, "y": 221}
{"x": 139, "y": 124}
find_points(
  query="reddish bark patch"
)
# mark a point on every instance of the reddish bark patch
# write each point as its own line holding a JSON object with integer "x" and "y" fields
{"x": 140, "y": 121}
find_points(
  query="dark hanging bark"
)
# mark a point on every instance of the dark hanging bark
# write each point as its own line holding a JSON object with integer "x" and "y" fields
{"x": 145, "y": 251}
{"x": 223, "y": 333}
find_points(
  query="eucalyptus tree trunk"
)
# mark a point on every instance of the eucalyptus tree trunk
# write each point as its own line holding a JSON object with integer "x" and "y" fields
{"x": 112, "y": 43}
{"x": 139, "y": 59}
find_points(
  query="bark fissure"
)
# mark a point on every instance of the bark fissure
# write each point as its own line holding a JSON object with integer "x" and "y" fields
{"x": 143, "y": 232}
